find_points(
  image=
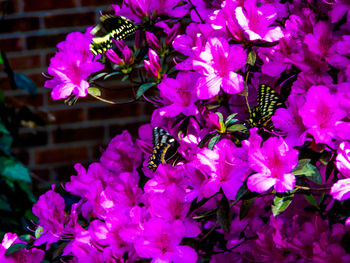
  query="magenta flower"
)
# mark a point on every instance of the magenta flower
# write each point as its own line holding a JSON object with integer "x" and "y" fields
{"x": 71, "y": 66}
{"x": 152, "y": 65}
{"x": 161, "y": 242}
{"x": 320, "y": 114}
{"x": 121, "y": 154}
{"x": 33, "y": 255}
{"x": 273, "y": 163}
{"x": 341, "y": 189}
{"x": 127, "y": 57}
{"x": 153, "y": 41}
{"x": 226, "y": 167}
{"x": 256, "y": 21}
{"x": 179, "y": 94}
{"x": 52, "y": 218}
{"x": 217, "y": 65}
{"x": 289, "y": 121}
{"x": 343, "y": 159}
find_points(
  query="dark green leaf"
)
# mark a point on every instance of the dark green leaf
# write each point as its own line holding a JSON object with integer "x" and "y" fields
{"x": 221, "y": 118}
{"x": 245, "y": 207}
{"x": 2, "y": 100}
{"x": 280, "y": 203}
{"x": 206, "y": 138}
{"x": 304, "y": 167}
{"x": 100, "y": 75}
{"x": 4, "y": 205}
{"x": 112, "y": 74}
{"x": 25, "y": 237}
{"x": 94, "y": 91}
{"x": 143, "y": 88}
{"x": 229, "y": 118}
{"x": 1, "y": 59}
{"x": 236, "y": 128}
{"x": 5, "y": 140}
{"x": 24, "y": 83}
{"x": 223, "y": 215}
{"x": 13, "y": 170}
{"x": 59, "y": 250}
{"x": 311, "y": 199}
{"x": 251, "y": 58}
{"x": 26, "y": 187}
{"x": 125, "y": 77}
{"x": 241, "y": 192}
{"x": 213, "y": 141}
{"x": 14, "y": 248}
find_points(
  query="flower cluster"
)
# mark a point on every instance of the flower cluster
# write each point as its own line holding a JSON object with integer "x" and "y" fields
{"x": 230, "y": 183}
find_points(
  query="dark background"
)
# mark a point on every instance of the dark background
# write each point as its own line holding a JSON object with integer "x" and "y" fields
{"x": 29, "y": 33}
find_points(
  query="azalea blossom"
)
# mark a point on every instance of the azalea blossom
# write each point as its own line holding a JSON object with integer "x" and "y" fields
{"x": 71, "y": 66}
{"x": 217, "y": 65}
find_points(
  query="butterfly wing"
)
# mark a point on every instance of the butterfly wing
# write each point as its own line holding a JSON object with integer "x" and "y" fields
{"x": 164, "y": 148}
{"x": 110, "y": 27}
{"x": 268, "y": 102}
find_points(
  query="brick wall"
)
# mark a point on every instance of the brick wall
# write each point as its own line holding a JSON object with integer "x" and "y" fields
{"x": 28, "y": 34}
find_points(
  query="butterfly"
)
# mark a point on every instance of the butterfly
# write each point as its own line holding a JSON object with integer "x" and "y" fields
{"x": 164, "y": 148}
{"x": 268, "y": 102}
{"x": 110, "y": 27}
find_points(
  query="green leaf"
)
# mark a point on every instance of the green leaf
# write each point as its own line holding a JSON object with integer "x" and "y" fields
{"x": 26, "y": 187}
{"x": 13, "y": 170}
{"x": 206, "y": 138}
{"x": 311, "y": 199}
{"x": 245, "y": 207}
{"x": 94, "y": 91}
{"x": 213, "y": 141}
{"x": 25, "y": 237}
{"x": 230, "y": 119}
{"x": 4, "y": 205}
{"x": 2, "y": 99}
{"x": 143, "y": 88}
{"x": 24, "y": 83}
{"x": 241, "y": 192}
{"x": 1, "y": 59}
{"x": 280, "y": 203}
{"x": 223, "y": 215}
{"x": 251, "y": 58}
{"x": 236, "y": 128}
{"x": 125, "y": 77}
{"x": 100, "y": 75}
{"x": 5, "y": 139}
{"x": 14, "y": 248}
{"x": 304, "y": 167}
{"x": 112, "y": 74}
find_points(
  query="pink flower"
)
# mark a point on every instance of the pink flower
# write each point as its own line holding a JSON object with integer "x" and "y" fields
{"x": 33, "y": 255}
{"x": 179, "y": 94}
{"x": 121, "y": 154}
{"x": 320, "y": 114}
{"x": 341, "y": 189}
{"x": 71, "y": 66}
{"x": 256, "y": 21}
{"x": 152, "y": 65}
{"x": 289, "y": 121}
{"x": 217, "y": 65}
{"x": 273, "y": 163}
{"x": 127, "y": 57}
{"x": 225, "y": 166}
{"x": 161, "y": 242}
{"x": 343, "y": 159}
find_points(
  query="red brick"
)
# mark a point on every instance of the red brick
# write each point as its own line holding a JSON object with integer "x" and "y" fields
{"x": 19, "y": 24}
{"x": 39, "y": 5}
{"x": 64, "y": 172}
{"x": 80, "y": 134}
{"x": 22, "y": 155}
{"x": 46, "y": 41}
{"x": 25, "y": 62}
{"x": 25, "y": 99}
{"x": 132, "y": 128}
{"x": 97, "y": 151}
{"x": 81, "y": 19}
{"x": 11, "y": 6}
{"x": 11, "y": 44}
{"x": 98, "y": 2}
{"x": 28, "y": 139}
{"x": 5, "y": 83}
{"x": 68, "y": 115}
{"x": 114, "y": 111}
{"x": 68, "y": 154}
{"x": 38, "y": 79}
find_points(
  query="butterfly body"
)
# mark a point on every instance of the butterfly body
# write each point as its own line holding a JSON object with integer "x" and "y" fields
{"x": 164, "y": 148}
{"x": 110, "y": 27}
{"x": 268, "y": 102}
